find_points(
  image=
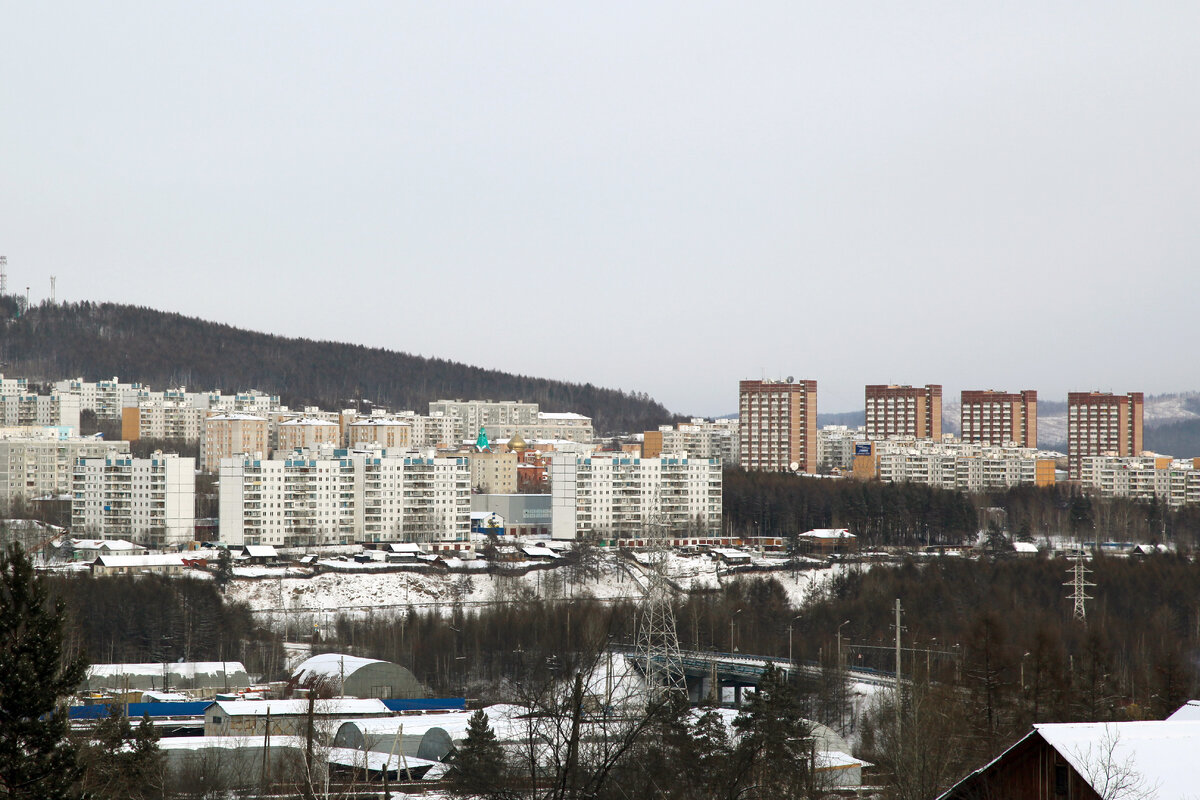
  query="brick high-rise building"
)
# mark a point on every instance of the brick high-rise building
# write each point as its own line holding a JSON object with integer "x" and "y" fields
{"x": 778, "y": 425}
{"x": 904, "y": 411}
{"x": 991, "y": 417}
{"x": 1102, "y": 423}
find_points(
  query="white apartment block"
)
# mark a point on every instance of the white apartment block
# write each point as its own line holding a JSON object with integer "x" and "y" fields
{"x": 624, "y": 497}
{"x": 964, "y": 466}
{"x": 699, "y": 438}
{"x": 11, "y": 386}
{"x": 434, "y": 430}
{"x": 39, "y": 410}
{"x": 157, "y": 418}
{"x": 38, "y": 463}
{"x": 150, "y": 501}
{"x": 339, "y": 497}
{"x": 835, "y": 446}
{"x": 471, "y": 415}
{"x": 1148, "y": 477}
{"x": 230, "y": 434}
{"x": 104, "y": 398}
{"x": 558, "y": 427}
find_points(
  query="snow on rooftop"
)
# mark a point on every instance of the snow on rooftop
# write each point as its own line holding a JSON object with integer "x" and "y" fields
{"x": 307, "y": 421}
{"x": 155, "y": 669}
{"x": 829, "y": 533}
{"x": 1188, "y": 712}
{"x": 106, "y": 544}
{"x": 234, "y": 415}
{"x": 260, "y": 551}
{"x": 1161, "y": 754}
{"x": 333, "y": 665}
{"x": 537, "y": 551}
{"x": 560, "y": 415}
{"x": 336, "y": 706}
{"x": 153, "y": 560}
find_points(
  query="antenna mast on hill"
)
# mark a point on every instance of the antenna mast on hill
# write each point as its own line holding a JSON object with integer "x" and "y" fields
{"x": 52, "y": 280}
{"x": 658, "y": 653}
{"x": 3, "y": 274}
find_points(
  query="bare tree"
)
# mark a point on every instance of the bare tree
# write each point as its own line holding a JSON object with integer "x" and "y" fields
{"x": 1113, "y": 774}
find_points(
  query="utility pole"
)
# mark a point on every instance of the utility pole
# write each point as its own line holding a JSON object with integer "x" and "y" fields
{"x": 898, "y": 703}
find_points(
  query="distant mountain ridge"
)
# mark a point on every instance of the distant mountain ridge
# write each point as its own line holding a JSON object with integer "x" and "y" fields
{"x": 164, "y": 349}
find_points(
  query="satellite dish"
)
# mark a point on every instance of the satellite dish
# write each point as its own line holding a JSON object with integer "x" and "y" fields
{"x": 791, "y": 379}
{"x": 795, "y": 466}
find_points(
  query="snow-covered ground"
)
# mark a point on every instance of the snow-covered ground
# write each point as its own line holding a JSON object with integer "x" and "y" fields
{"x": 270, "y": 591}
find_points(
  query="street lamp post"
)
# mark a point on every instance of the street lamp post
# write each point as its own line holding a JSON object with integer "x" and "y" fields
{"x": 732, "y": 644}
{"x": 791, "y": 622}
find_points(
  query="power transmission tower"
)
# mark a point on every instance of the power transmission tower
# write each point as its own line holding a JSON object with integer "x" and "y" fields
{"x": 658, "y": 653}
{"x": 1079, "y": 583}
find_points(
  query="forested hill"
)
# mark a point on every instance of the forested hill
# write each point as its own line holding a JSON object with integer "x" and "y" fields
{"x": 100, "y": 340}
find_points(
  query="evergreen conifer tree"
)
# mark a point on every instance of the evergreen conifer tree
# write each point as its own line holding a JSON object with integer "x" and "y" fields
{"x": 477, "y": 768}
{"x": 36, "y": 758}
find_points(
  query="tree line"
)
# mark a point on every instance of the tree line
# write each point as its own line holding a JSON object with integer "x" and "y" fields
{"x": 155, "y": 618}
{"x": 911, "y": 514}
{"x": 100, "y": 340}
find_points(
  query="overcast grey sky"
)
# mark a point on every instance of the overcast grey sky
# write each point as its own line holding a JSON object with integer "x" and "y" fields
{"x": 656, "y": 197}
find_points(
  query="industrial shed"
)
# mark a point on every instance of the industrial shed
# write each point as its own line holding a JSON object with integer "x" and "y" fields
{"x": 235, "y": 763}
{"x": 284, "y": 717}
{"x": 200, "y": 675}
{"x": 352, "y": 676}
{"x": 428, "y": 736}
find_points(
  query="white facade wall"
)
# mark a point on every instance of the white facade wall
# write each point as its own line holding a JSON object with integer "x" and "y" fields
{"x": 11, "y": 386}
{"x": 37, "y": 410}
{"x": 104, "y": 398}
{"x": 1177, "y": 482}
{"x": 339, "y": 497}
{"x": 433, "y": 430}
{"x": 701, "y": 438}
{"x": 147, "y": 500}
{"x": 964, "y": 466}
{"x": 470, "y": 415}
{"x": 170, "y": 419}
{"x": 36, "y": 465}
{"x": 835, "y": 446}
{"x": 611, "y": 497}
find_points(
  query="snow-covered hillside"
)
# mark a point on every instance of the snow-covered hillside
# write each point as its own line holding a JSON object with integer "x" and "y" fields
{"x": 278, "y": 593}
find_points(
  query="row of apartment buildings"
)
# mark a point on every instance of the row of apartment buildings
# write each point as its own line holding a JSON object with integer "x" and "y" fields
{"x": 778, "y": 430}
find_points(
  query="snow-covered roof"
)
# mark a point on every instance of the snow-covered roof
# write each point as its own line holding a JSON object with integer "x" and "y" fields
{"x": 538, "y": 551}
{"x": 164, "y": 697}
{"x": 1188, "y": 712}
{"x": 829, "y": 533}
{"x": 337, "y": 706}
{"x": 260, "y": 551}
{"x": 730, "y": 553}
{"x": 1156, "y": 757}
{"x": 1161, "y": 753}
{"x": 342, "y": 756}
{"x": 333, "y": 665}
{"x": 307, "y": 421}
{"x": 380, "y": 421}
{"x": 154, "y": 669}
{"x": 1025, "y": 547}
{"x": 152, "y": 560}
{"x": 502, "y": 718}
{"x": 115, "y": 545}
{"x": 560, "y": 415}
{"x": 404, "y": 547}
{"x": 233, "y": 415}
